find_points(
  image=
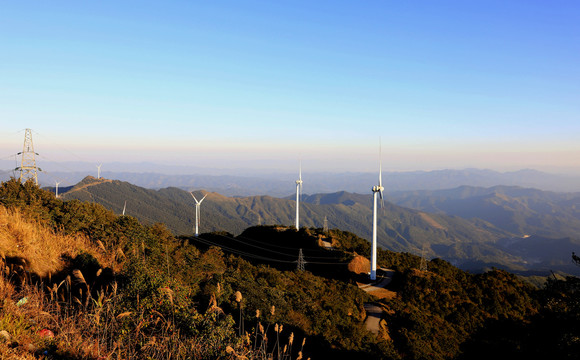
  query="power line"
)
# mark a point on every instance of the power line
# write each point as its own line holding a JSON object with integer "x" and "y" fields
{"x": 265, "y": 258}
{"x": 277, "y": 252}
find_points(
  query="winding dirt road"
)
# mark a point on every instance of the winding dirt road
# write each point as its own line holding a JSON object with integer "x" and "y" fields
{"x": 374, "y": 312}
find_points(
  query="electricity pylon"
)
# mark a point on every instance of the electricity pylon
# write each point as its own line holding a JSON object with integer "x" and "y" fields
{"x": 301, "y": 261}
{"x": 28, "y": 169}
{"x": 423, "y": 264}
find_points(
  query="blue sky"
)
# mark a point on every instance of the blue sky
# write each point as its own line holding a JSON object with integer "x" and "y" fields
{"x": 444, "y": 84}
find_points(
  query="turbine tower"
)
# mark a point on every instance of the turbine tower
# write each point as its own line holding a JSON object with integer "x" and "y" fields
{"x": 56, "y": 190}
{"x": 28, "y": 169}
{"x": 298, "y": 193}
{"x": 377, "y": 192}
{"x": 99, "y": 171}
{"x": 197, "y": 205}
{"x": 124, "y": 207}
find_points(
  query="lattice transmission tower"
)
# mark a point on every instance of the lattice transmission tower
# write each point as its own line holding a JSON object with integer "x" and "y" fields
{"x": 301, "y": 262}
{"x": 423, "y": 264}
{"x": 28, "y": 169}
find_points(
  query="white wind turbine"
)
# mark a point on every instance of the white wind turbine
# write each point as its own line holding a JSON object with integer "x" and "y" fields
{"x": 124, "y": 207}
{"x": 99, "y": 171}
{"x": 197, "y": 205}
{"x": 56, "y": 190}
{"x": 298, "y": 192}
{"x": 377, "y": 192}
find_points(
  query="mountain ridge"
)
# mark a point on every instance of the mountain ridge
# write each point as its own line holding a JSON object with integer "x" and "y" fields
{"x": 240, "y": 182}
{"x": 459, "y": 240}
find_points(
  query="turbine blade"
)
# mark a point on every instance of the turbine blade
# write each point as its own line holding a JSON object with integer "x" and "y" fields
{"x": 194, "y": 197}
{"x": 203, "y": 198}
{"x": 380, "y": 163}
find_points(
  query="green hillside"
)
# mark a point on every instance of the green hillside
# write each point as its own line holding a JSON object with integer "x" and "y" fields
{"x": 474, "y": 228}
{"x": 399, "y": 229}
{"x": 520, "y": 211}
{"x": 546, "y": 225}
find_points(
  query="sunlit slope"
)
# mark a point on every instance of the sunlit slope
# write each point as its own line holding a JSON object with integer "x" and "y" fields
{"x": 38, "y": 249}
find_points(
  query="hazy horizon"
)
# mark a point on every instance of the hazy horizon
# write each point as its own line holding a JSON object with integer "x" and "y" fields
{"x": 260, "y": 85}
{"x": 189, "y": 169}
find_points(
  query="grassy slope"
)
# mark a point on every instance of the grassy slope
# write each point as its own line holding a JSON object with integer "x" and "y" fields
{"x": 39, "y": 249}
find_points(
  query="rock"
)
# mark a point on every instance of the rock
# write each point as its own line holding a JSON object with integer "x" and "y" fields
{"x": 45, "y": 333}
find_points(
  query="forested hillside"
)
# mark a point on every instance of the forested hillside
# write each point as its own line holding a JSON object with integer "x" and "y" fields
{"x": 545, "y": 225}
{"x": 474, "y": 244}
{"x": 135, "y": 291}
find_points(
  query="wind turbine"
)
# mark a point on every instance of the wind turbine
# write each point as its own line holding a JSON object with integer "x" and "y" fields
{"x": 197, "y": 205}
{"x": 377, "y": 192}
{"x": 99, "y": 171}
{"x": 56, "y": 191}
{"x": 124, "y": 208}
{"x": 298, "y": 192}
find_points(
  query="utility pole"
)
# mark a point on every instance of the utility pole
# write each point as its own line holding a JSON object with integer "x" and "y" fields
{"x": 28, "y": 169}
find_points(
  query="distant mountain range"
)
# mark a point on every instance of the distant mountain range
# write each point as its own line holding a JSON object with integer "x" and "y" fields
{"x": 246, "y": 183}
{"x": 520, "y": 211}
{"x": 473, "y": 238}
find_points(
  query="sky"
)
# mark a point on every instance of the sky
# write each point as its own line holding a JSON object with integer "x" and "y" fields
{"x": 265, "y": 84}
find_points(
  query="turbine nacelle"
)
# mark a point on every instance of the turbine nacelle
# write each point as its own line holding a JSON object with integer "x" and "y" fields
{"x": 379, "y": 189}
{"x": 298, "y": 195}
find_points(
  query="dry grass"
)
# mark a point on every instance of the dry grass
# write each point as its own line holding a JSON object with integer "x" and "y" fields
{"x": 101, "y": 330}
{"x": 359, "y": 265}
{"x": 40, "y": 247}
{"x": 431, "y": 221}
{"x": 98, "y": 326}
{"x": 380, "y": 293}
